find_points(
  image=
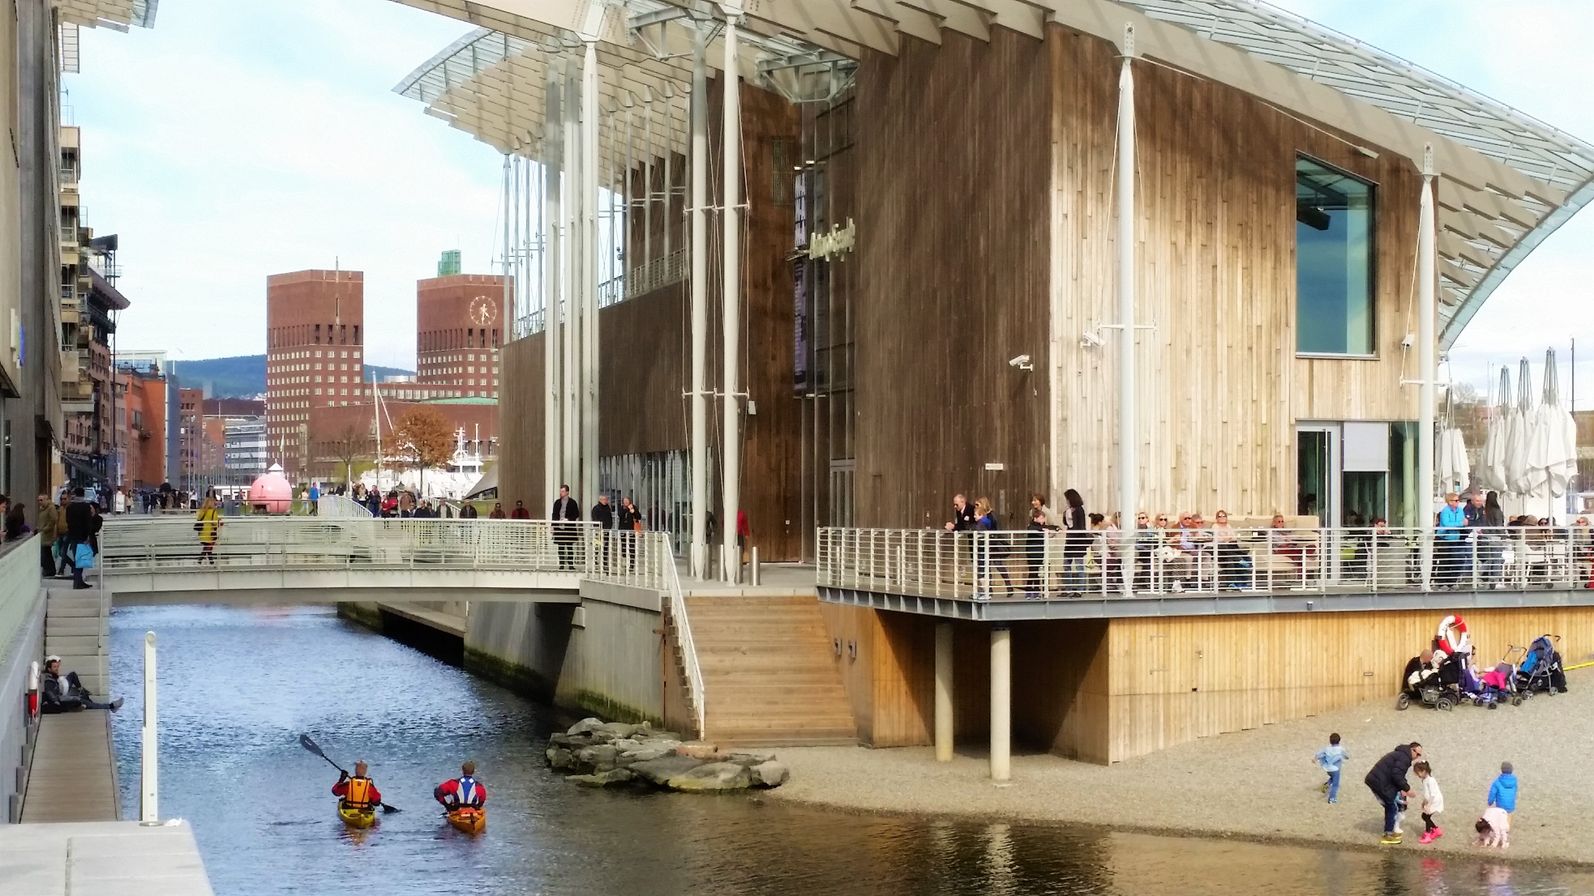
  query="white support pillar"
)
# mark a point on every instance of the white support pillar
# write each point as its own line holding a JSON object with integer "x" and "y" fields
{"x": 512, "y": 209}
{"x": 1427, "y": 285}
{"x": 647, "y": 178}
{"x": 944, "y": 683}
{"x": 552, "y": 285}
{"x": 570, "y": 294}
{"x": 1001, "y": 704}
{"x": 149, "y": 742}
{"x": 731, "y": 297}
{"x": 1128, "y": 456}
{"x": 508, "y": 263}
{"x": 699, "y": 303}
{"x": 669, "y": 168}
{"x": 589, "y": 313}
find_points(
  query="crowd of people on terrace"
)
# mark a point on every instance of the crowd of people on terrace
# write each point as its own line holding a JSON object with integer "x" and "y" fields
{"x": 1474, "y": 546}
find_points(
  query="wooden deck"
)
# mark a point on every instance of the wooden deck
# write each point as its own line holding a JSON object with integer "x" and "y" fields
{"x": 73, "y": 776}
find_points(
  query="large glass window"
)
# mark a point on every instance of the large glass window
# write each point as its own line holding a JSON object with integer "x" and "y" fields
{"x": 1333, "y": 261}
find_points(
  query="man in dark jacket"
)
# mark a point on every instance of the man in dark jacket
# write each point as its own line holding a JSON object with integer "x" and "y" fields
{"x": 565, "y": 510}
{"x": 79, "y": 530}
{"x": 1387, "y": 781}
{"x": 603, "y": 515}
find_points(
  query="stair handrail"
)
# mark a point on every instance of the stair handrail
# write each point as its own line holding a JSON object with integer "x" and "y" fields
{"x": 683, "y": 630}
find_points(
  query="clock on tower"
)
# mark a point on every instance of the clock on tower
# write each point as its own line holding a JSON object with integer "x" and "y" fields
{"x": 483, "y": 311}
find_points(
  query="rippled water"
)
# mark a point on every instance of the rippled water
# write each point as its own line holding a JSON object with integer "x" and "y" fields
{"x": 238, "y": 685}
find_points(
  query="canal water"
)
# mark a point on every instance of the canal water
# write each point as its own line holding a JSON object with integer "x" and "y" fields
{"x": 238, "y": 685}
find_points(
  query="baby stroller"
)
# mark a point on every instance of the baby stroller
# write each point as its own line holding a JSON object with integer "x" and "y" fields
{"x": 1424, "y": 683}
{"x": 1497, "y": 685}
{"x": 1540, "y": 669}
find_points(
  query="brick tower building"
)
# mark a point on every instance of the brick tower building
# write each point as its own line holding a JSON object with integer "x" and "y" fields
{"x": 314, "y": 354}
{"x": 459, "y": 328}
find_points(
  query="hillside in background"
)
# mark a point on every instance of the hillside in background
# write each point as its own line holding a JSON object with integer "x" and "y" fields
{"x": 244, "y": 376}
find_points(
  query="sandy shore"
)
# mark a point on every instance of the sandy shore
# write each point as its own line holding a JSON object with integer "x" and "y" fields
{"x": 1260, "y": 784}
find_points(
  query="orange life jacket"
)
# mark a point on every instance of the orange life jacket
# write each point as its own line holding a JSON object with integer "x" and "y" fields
{"x": 359, "y": 794}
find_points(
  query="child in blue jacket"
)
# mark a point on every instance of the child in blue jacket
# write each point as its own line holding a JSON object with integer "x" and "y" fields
{"x": 1503, "y": 792}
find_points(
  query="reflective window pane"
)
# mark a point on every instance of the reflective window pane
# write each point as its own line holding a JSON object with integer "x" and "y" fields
{"x": 1334, "y": 261}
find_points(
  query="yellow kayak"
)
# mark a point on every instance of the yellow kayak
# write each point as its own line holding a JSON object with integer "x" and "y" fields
{"x": 357, "y": 818}
{"x": 469, "y": 820}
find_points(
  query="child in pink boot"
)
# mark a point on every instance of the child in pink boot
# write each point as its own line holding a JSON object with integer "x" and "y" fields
{"x": 1433, "y": 802}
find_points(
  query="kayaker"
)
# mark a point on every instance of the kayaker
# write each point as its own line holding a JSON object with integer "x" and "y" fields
{"x": 358, "y": 792}
{"x": 462, "y": 791}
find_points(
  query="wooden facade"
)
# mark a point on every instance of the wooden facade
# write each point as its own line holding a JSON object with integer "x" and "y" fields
{"x": 1108, "y": 690}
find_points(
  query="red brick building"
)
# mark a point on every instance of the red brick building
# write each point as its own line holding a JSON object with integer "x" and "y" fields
{"x": 458, "y": 332}
{"x": 144, "y": 412}
{"x": 314, "y": 353}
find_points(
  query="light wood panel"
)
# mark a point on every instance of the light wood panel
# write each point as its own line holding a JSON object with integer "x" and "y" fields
{"x": 1220, "y": 387}
{"x": 952, "y": 153}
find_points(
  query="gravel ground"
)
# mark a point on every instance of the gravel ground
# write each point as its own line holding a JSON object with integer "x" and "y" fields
{"x": 1260, "y": 784}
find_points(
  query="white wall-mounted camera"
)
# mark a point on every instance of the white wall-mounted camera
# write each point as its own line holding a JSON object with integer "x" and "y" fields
{"x": 1409, "y": 341}
{"x": 1020, "y": 362}
{"x": 1091, "y": 339}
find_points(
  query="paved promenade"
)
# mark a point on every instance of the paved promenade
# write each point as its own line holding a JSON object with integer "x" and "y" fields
{"x": 107, "y": 858}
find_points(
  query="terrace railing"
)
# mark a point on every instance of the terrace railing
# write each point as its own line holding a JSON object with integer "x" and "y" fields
{"x": 1050, "y": 565}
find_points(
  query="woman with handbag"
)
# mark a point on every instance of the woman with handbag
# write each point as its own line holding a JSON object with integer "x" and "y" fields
{"x": 207, "y": 522}
{"x": 630, "y": 521}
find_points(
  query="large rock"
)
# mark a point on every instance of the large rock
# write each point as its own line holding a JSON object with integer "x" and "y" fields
{"x": 618, "y": 730}
{"x": 659, "y": 771}
{"x": 713, "y": 776}
{"x": 560, "y": 758}
{"x": 769, "y": 774}
{"x": 597, "y": 758}
{"x": 604, "y": 779}
{"x": 648, "y": 752}
{"x": 585, "y": 726}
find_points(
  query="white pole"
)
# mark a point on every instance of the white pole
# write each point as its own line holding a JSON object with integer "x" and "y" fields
{"x": 507, "y": 268}
{"x": 647, "y": 180}
{"x": 699, "y": 301}
{"x": 570, "y": 283}
{"x": 589, "y": 324}
{"x": 731, "y": 313}
{"x": 944, "y": 682}
{"x": 1128, "y": 460}
{"x": 669, "y": 180}
{"x": 376, "y": 420}
{"x": 513, "y": 210}
{"x": 553, "y": 252}
{"x": 1427, "y": 240}
{"x": 149, "y": 759}
{"x": 1001, "y": 704}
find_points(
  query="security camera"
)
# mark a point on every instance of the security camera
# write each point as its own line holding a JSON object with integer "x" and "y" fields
{"x": 1091, "y": 339}
{"x": 1021, "y": 362}
{"x": 1409, "y": 341}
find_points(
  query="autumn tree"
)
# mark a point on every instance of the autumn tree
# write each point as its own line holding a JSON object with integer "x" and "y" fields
{"x": 425, "y": 433}
{"x": 353, "y": 443}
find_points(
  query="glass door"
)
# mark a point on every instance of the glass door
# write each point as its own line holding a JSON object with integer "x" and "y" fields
{"x": 1317, "y": 472}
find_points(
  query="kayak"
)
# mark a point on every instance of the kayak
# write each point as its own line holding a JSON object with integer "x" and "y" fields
{"x": 357, "y": 818}
{"x": 469, "y": 820}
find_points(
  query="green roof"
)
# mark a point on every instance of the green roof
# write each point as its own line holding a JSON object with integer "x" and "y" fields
{"x": 478, "y": 400}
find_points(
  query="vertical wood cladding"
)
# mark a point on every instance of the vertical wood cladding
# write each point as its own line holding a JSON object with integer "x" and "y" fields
{"x": 952, "y": 152}
{"x": 645, "y": 349}
{"x": 1220, "y": 387}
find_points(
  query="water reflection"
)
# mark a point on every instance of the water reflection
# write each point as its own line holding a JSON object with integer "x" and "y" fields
{"x": 238, "y": 685}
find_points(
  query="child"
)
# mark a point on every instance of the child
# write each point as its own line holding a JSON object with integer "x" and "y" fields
{"x": 1433, "y": 802}
{"x": 1330, "y": 759}
{"x": 1494, "y": 828}
{"x": 1503, "y": 792}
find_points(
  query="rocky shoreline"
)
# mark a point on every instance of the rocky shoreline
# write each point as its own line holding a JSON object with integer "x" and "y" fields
{"x": 596, "y": 753}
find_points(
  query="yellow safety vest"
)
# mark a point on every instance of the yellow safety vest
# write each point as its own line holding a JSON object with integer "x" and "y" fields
{"x": 359, "y": 794}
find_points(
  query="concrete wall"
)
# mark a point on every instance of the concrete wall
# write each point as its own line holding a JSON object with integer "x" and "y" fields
{"x": 604, "y": 657}
{"x": 21, "y": 642}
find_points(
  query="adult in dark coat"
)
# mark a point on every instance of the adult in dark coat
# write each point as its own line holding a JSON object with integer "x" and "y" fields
{"x": 79, "y": 530}
{"x": 603, "y": 515}
{"x": 565, "y": 510}
{"x": 1387, "y": 781}
{"x": 629, "y": 519}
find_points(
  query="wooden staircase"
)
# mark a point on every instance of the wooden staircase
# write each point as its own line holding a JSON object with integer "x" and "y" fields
{"x": 769, "y": 676}
{"x": 77, "y": 630}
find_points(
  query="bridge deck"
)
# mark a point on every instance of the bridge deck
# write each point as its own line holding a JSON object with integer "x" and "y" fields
{"x": 73, "y": 777}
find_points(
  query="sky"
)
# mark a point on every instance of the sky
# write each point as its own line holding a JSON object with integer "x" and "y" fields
{"x": 244, "y": 137}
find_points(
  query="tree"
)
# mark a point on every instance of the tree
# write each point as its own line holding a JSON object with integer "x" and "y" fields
{"x": 353, "y": 443}
{"x": 425, "y": 433}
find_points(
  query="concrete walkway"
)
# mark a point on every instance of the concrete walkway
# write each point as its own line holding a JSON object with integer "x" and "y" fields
{"x": 108, "y": 858}
{"x": 72, "y": 777}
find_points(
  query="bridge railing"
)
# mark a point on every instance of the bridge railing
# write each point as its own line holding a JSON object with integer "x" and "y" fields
{"x": 175, "y": 544}
{"x": 1036, "y": 564}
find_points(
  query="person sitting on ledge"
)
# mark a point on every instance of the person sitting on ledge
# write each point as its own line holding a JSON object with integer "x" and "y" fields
{"x": 65, "y": 693}
{"x": 463, "y": 791}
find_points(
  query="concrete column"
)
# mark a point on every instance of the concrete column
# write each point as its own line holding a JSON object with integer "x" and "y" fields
{"x": 553, "y": 252}
{"x": 731, "y": 297}
{"x": 1001, "y": 703}
{"x": 1427, "y": 285}
{"x": 507, "y": 328}
{"x": 699, "y": 303}
{"x": 589, "y": 246}
{"x": 1128, "y": 457}
{"x": 943, "y": 691}
{"x": 570, "y": 282}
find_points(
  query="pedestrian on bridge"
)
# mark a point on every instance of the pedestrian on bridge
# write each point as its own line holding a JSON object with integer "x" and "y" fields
{"x": 603, "y": 515}
{"x": 565, "y": 510}
{"x": 207, "y": 522}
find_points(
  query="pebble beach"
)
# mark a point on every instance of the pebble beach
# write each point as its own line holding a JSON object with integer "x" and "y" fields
{"x": 1261, "y": 784}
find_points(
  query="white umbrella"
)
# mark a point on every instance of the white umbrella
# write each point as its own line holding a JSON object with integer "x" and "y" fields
{"x": 1557, "y": 450}
{"x": 1451, "y": 464}
{"x": 1518, "y": 419}
{"x": 1491, "y": 463}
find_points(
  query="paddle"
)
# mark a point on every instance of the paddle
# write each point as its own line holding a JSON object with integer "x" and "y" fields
{"x": 312, "y": 746}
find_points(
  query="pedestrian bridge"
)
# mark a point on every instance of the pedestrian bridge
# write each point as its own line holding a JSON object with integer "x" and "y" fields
{"x": 327, "y": 560}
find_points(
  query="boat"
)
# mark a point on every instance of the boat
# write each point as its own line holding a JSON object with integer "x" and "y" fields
{"x": 468, "y": 819}
{"x": 357, "y": 818}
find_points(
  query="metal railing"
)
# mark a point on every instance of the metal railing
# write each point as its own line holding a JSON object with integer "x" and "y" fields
{"x": 341, "y": 507}
{"x": 640, "y": 280}
{"x": 1046, "y": 565}
{"x": 173, "y": 544}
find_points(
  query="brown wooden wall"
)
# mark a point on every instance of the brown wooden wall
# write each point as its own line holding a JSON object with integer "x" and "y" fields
{"x": 645, "y": 364}
{"x": 1220, "y": 388}
{"x": 952, "y": 151}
